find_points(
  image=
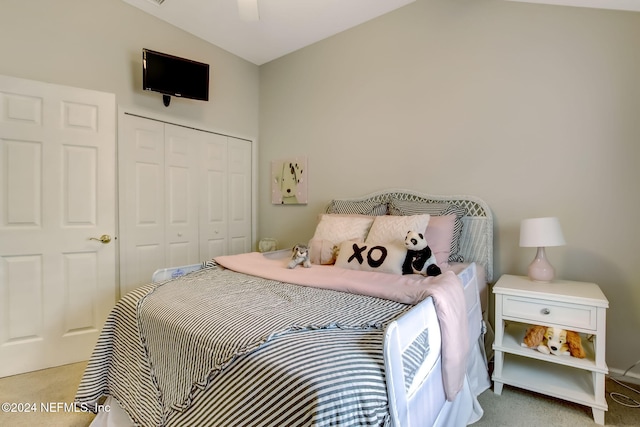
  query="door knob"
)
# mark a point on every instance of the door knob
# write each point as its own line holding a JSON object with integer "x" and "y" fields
{"x": 104, "y": 239}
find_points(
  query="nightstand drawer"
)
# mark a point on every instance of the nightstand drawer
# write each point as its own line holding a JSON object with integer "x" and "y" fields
{"x": 544, "y": 311}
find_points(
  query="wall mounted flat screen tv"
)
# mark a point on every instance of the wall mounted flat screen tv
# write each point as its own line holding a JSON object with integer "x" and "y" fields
{"x": 174, "y": 76}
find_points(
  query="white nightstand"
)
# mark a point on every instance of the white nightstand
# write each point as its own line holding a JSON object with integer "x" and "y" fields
{"x": 575, "y": 306}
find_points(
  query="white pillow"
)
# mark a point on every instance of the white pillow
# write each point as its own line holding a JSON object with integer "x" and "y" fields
{"x": 393, "y": 229}
{"x": 384, "y": 258}
{"x": 336, "y": 228}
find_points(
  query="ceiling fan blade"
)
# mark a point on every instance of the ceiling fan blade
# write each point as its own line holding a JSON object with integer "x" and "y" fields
{"x": 248, "y": 10}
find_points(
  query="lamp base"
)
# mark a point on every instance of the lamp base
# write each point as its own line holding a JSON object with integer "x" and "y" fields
{"x": 540, "y": 270}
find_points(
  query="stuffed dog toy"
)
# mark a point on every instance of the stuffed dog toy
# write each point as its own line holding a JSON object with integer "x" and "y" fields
{"x": 300, "y": 255}
{"x": 550, "y": 340}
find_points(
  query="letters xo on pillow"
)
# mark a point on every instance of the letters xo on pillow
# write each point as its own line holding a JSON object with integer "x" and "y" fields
{"x": 386, "y": 258}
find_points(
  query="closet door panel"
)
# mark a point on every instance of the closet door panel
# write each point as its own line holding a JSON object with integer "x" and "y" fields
{"x": 240, "y": 167}
{"x": 213, "y": 205}
{"x": 185, "y": 197}
{"x": 141, "y": 187}
{"x": 181, "y": 195}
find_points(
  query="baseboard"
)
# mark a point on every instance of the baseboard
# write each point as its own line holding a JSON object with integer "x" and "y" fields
{"x": 630, "y": 377}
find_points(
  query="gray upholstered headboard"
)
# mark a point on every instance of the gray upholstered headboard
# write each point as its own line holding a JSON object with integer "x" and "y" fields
{"x": 476, "y": 237}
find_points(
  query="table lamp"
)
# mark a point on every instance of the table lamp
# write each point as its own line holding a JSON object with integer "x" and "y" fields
{"x": 540, "y": 233}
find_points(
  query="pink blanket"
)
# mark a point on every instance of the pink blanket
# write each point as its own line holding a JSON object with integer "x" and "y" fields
{"x": 446, "y": 290}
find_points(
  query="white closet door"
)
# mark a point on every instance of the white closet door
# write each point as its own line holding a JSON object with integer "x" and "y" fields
{"x": 239, "y": 187}
{"x": 213, "y": 205}
{"x": 57, "y": 190}
{"x": 141, "y": 152}
{"x": 185, "y": 197}
{"x": 182, "y": 166}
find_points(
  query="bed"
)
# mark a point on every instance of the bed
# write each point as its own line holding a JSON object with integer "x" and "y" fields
{"x": 245, "y": 341}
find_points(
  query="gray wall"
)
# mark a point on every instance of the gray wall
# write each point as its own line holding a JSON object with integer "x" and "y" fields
{"x": 97, "y": 44}
{"x": 534, "y": 108}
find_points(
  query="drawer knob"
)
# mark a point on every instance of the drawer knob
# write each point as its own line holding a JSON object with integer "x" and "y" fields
{"x": 545, "y": 311}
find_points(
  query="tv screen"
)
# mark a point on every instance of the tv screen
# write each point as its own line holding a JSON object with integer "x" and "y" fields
{"x": 174, "y": 76}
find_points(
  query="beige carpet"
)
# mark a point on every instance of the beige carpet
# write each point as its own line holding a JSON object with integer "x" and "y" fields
{"x": 56, "y": 387}
{"x": 52, "y": 387}
{"x": 521, "y": 408}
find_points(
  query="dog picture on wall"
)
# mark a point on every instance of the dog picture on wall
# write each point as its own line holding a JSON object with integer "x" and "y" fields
{"x": 289, "y": 181}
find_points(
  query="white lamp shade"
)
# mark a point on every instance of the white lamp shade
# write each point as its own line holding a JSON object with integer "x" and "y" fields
{"x": 541, "y": 232}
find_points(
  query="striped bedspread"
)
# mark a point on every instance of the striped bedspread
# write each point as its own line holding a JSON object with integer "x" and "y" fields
{"x": 221, "y": 348}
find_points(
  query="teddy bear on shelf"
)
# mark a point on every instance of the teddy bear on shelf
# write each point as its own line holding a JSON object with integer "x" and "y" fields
{"x": 419, "y": 257}
{"x": 550, "y": 340}
{"x": 300, "y": 255}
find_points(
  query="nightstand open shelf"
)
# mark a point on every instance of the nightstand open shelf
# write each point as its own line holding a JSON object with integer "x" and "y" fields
{"x": 572, "y": 384}
{"x": 575, "y": 306}
{"x": 514, "y": 333}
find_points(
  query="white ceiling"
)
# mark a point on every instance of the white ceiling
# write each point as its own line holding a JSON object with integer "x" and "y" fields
{"x": 288, "y": 25}
{"x": 284, "y": 25}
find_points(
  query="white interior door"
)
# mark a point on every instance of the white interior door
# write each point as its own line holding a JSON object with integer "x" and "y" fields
{"x": 57, "y": 190}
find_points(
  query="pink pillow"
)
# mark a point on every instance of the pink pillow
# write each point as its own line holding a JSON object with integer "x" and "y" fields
{"x": 439, "y": 234}
{"x": 322, "y": 252}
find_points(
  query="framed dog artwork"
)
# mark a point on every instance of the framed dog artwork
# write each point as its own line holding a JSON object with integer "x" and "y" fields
{"x": 289, "y": 181}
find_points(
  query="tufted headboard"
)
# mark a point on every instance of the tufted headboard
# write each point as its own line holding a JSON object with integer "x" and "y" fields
{"x": 476, "y": 237}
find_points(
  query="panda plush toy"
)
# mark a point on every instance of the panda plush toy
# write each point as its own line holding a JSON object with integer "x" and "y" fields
{"x": 419, "y": 258}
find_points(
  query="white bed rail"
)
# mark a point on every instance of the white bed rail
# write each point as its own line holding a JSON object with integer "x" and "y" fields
{"x": 415, "y": 332}
{"x": 173, "y": 272}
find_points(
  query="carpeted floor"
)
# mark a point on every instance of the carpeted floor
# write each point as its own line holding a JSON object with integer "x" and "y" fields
{"x": 54, "y": 388}
{"x": 521, "y": 408}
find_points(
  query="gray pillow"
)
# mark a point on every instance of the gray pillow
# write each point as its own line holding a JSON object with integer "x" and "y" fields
{"x": 409, "y": 207}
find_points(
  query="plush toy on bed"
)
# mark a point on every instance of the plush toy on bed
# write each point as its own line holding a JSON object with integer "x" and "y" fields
{"x": 556, "y": 341}
{"x": 300, "y": 255}
{"x": 419, "y": 258}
